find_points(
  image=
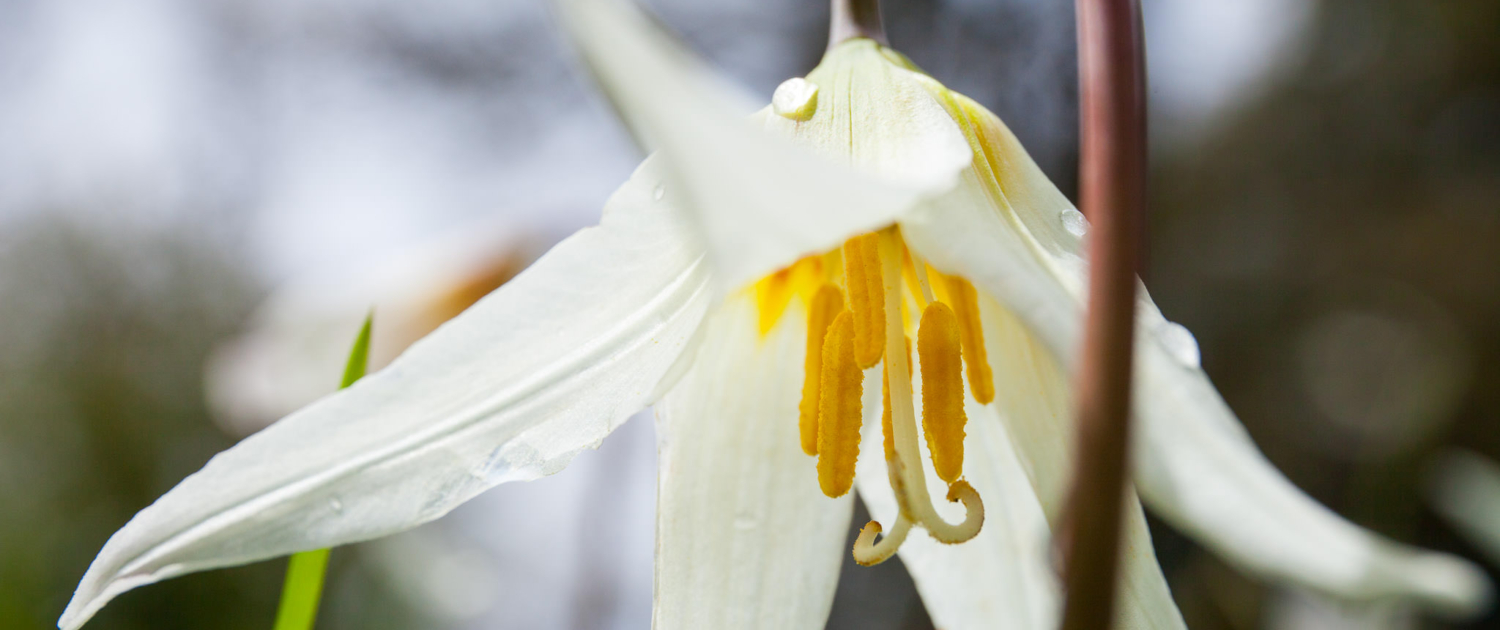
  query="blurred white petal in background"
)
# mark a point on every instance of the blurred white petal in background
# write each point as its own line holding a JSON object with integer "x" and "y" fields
{"x": 293, "y": 346}
{"x": 1465, "y": 489}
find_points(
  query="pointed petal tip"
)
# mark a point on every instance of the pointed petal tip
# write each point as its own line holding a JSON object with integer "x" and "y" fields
{"x": 89, "y": 599}
{"x": 586, "y": 333}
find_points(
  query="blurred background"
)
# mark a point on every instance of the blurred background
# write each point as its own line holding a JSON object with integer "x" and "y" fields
{"x": 1325, "y": 218}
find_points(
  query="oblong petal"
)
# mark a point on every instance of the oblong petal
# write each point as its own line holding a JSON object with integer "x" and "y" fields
{"x": 1000, "y": 578}
{"x": 1200, "y": 471}
{"x": 761, "y": 201}
{"x": 745, "y": 538}
{"x": 1193, "y": 461}
{"x": 510, "y": 390}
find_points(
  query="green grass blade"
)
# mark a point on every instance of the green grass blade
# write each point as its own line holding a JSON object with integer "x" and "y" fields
{"x": 304, "y": 574}
{"x": 303, "y": 589}
{"x": 359, "y": 356}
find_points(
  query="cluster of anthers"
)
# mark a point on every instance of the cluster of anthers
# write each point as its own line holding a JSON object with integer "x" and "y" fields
{"x": 857, "y": 311}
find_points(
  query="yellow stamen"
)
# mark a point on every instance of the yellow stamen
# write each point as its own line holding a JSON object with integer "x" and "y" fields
{"x": 887, "y": 285}
{"x": 965, "y": 302}
{"x": 826, "y": 304}
{"x": 862, "y": 278}
{"x": 943, "y": 415}
{"x": 839, "y": 408}
{"x": 908, "y": 464}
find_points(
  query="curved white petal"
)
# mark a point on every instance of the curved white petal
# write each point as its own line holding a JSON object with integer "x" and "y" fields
{"x": 1192, "y": 461}
{"x": 510, "y": 390}
{"x": 761, "y": 201}
{"x": 744, "y": 536}
{"x": 1002, "y": 578}
{"x": 1200, "y": 471}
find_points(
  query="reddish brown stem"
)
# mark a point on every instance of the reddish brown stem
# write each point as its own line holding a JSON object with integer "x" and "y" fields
{"x": 1113, "y": 193}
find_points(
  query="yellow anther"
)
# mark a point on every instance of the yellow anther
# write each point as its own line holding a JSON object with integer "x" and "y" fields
{"x": 943, "y": 415}
{"x": 965, "y": 302}
{"x": 839, "y": 408}
{"x": 826, "y": 305}
{"x": 885, "y": 408}
{"x": 862, "y": 278}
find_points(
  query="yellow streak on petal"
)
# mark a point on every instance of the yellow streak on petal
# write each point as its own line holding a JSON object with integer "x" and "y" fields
{"x": 839, "y": 408}
{"x": 825, "y": 306}
{"x": 775, "y": 292}
{"x": 772, "y": 295}
{"x": 862, "y": 277}
{"x": 943, "y": 415}
{"x": 913, "y": 280}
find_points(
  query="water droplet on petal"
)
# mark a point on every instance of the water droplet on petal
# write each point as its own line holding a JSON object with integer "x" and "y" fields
{"x": 1074, "y": 222}
{"x": 795, "y": 99}
{"x": 658, "y": 192}
{"x": 1179, "y": 342}
{"x": 336, "y": 505}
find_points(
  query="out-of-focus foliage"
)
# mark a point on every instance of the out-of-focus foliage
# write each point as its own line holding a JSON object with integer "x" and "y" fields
{"x": 1336, "y": 248}
{"x": 101, "y": 349}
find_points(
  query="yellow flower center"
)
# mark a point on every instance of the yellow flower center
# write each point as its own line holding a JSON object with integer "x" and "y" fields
{"x": 858, "y": 300}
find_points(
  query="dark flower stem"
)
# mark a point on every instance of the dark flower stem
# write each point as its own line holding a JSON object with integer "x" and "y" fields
{"x": 1112, "y": 180}
{"x": 848, "y": 19}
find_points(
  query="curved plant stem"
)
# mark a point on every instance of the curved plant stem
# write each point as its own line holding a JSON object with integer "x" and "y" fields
{"x": 303, "y": 588}
{"x": 1112, "y": 191}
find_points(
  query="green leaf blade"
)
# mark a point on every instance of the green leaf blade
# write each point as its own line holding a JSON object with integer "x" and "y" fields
{"x": 303, "y": 589}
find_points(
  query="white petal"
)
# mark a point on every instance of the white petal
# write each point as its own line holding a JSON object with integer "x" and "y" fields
{"x": 510, "y": 390}
{"x": 1465, "y": 489}
{"x": 1199, "y": 470}
{"x": 761, "y": 201}
{"x": 745, "y": 538}
{"x": 1192, "y": 460}
{"x": 294, "y": 347}
{"x": 963, "y": 233}
{"x": 1002, "y": 578}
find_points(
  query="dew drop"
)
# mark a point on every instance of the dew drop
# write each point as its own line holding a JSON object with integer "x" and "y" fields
{"x": 336, "y": 505}
{"x": 1179, "y": 342}
{"x": 658, "y": 192}
{"x": 795, "y": 99}
{"x": 1074, "y": 222}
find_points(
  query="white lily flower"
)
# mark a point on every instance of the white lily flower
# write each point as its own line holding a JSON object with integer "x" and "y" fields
{"x": 717, "y": 283}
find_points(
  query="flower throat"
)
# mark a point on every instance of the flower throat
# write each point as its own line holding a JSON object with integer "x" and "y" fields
{"x": 856, "y": 314}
